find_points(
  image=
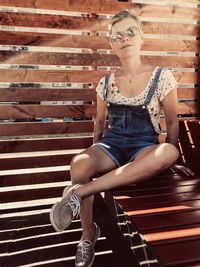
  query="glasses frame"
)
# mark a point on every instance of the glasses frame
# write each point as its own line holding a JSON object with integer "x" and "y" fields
{"x": 131, "y": 32}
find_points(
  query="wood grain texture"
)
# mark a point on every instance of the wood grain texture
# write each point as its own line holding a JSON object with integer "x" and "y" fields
{"x": 105, "y": 7}
{"x": 45, "y": 111}
{"x": 42, "y": 128}
{"x": 14, "y": 94}
{"x": 90, "y": 42}
{"x": 45, "y": 144}
{"x": 34, "y": 178}
{"x": 75, "y": 76}
{"x": 60, "y": 111}
{"x": 95, "y": 60}
{"x": 93, "y": 23}
{"x": 36, "y": 162}
{"x": 32, "y": 94}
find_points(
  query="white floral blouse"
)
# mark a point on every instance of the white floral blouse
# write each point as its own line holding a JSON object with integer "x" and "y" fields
{"x": 165, "y": 84}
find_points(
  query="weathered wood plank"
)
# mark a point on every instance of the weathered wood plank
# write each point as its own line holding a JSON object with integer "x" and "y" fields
{"x": 35, "y": 162}
{"x": 166, "y": 220}
{"x": 45, "y": 144}
{"x": 187, "y": 93}
{"x": 105, "y": 7}
{"x": 42, "y": 128}
{"x": 34, "y": 128}
{"x": 57, "y": 111}
{"x": 97, "y": 59}
{"x": 29, "y": 75}
{"x": 46, "y": 111}
{"x": 91, "y": 23}
{"x": 34, "y": 178}
{"x": 90, "y": 42}
{"x": 60, "y": 111}
{"x": 65, "y": 76}
{"x": 186, "y": 253}
{"x": 14, "y": 94}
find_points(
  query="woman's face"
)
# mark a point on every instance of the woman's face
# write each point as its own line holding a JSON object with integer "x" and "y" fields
{"x": 126, "y": 38}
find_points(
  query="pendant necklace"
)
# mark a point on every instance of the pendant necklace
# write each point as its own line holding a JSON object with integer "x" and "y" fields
{"x": 130, "y": 79}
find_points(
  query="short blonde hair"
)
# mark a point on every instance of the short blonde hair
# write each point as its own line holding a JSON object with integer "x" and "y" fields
{"x": 122, "y": 15}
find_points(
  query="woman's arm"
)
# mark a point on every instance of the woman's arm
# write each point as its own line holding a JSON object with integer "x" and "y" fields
{"x": 170, "y": 110}
{"x": 100, "y": 119}
{"x": 169, "y": 104}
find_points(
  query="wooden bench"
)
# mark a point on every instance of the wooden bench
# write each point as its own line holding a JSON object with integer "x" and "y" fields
{"x": 54, "y": 52}
{"x": 166, "y": 209}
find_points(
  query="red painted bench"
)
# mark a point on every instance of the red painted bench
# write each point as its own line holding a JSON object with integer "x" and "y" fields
{"x": 166, "y": 209}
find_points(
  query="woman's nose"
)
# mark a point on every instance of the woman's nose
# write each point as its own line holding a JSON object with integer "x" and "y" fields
{"x": 125, "y": 39}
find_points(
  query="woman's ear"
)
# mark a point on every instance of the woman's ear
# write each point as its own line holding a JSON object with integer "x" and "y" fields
{"x": 108, "y": 40}
{"x": 110, "y": 44}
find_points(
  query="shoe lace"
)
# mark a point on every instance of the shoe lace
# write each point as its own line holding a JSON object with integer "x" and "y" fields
{"x": 83, "y": 250}
{"x": 74, "y": 204}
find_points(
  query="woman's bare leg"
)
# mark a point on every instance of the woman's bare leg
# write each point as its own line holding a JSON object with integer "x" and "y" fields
{"x": 148, "y": 163}
{"x": 83, "y": 167}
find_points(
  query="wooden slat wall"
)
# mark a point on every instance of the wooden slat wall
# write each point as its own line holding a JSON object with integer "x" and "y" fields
{"x": 54, "y": 53}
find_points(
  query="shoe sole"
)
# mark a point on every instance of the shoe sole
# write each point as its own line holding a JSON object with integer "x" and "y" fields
{"x": 51, "y": 216}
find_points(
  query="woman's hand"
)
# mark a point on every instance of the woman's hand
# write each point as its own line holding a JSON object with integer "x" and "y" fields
{"x": 182, "y": 170}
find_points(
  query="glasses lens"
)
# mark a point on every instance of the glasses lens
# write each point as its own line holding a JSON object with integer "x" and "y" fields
{"x": 117, "y": 37}
{"x": 132, "y": 32}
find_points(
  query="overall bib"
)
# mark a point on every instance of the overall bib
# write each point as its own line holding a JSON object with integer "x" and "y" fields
{"x": 130, "y": 127}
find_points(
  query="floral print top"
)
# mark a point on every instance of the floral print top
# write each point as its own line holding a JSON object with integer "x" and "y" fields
{"x": 165, "y": 84}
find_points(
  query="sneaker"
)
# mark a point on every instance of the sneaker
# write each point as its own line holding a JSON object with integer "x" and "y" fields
{"x": 63, "y": 212}
{"x": 85, "y": 250}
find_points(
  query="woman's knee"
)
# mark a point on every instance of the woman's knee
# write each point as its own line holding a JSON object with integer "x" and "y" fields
{"x": 82, "y": 168}
{"x": 167, "y": 155}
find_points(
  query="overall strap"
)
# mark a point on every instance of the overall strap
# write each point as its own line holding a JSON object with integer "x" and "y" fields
{"x": 153, "y": 86}
{"x": 105, "y": 89}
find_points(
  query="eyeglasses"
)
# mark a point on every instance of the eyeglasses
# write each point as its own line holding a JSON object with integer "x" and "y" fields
{"x": 119, "y": 36}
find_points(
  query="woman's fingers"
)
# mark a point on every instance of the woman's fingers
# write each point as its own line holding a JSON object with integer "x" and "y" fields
{"x": 183, "y": 169}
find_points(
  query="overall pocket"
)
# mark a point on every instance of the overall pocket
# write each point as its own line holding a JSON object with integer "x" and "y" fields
{"x": 138, "y": 120}
{"x": 117, "y": 119}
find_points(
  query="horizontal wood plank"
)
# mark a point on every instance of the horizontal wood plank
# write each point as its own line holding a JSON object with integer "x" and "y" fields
{"x": 166, "y": 221}
{"x": 65, "y": 76}
{"x": 90, "y": 42}
{"x": 35, "y": 128}
{"x": 61, "y": 111}
{"x": 72, "y": 76}
{"x": 34, "y": 178}
{"x": 186, "y": 253}
{"x": 15, "y": 94}
{"x": 83, "y": 60}
{"x": 36, "y": 162}
{"x": 45, "y": 145}
{"x": 92, "y": 23}
{"x": 46, "y": 111}
{"x": 34, "y": 94}
{"x": 104, "y": 7}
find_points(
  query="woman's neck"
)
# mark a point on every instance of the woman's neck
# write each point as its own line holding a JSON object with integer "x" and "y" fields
{"x": 130, "y": 65}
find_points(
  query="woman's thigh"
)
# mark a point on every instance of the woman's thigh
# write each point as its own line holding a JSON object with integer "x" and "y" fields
{"x": 161, "y": 152}
{"x": 91, "y": 161}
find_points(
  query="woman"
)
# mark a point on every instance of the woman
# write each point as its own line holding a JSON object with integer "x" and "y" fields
{"x": 128, "y": 151}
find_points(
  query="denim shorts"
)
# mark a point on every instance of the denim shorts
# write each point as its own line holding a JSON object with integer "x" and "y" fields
{"x": 123, "y": 149}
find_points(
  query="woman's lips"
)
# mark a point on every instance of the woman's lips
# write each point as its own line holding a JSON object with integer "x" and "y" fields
{"x": 125, "y": 46}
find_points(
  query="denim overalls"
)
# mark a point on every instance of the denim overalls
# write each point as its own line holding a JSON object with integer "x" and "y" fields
{"x": 130, "y": 127}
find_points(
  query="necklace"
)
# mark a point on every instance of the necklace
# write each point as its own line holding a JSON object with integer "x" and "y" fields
{"x": 130, "y": 79}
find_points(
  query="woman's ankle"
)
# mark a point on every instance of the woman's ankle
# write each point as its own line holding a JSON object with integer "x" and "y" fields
{"x": 78, "y": 191}
{"x": 89, "y": 235}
